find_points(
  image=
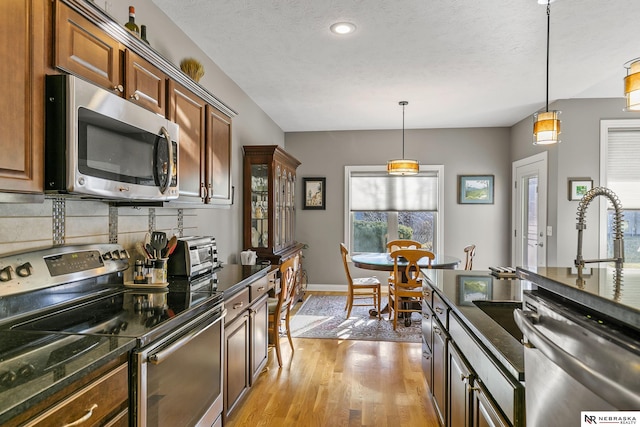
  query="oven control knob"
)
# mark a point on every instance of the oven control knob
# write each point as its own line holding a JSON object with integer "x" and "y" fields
{"x": 26, "y": 370}
{"x": 5, "y": 274}
{"x": 24, "y": 270}
{"x": 106, "y": 256}
{"x": 115, "y": 254}
{"x": 7, "y": 378}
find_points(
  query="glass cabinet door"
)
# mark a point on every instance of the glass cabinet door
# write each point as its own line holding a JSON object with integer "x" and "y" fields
{"x": 259, "y": 206}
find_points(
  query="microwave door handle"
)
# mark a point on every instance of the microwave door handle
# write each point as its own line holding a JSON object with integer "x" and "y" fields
{"x": 167, "y": 183}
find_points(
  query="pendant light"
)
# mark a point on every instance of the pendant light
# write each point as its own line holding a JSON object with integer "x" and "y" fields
{"x": 546, "y": 124}
{"x": 632, "y": 85}
{"x": 403, "y": 166}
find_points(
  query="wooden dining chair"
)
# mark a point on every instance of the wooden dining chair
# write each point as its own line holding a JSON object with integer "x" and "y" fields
{"x": 394, "y": 245}
{"x": 280, "y": 308}
{"x": 360, "y": 288}
{"x": 407, "y": 286}
{"x": 470, "y": 252}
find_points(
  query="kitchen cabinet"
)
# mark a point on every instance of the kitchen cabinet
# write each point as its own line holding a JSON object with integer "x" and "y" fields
{"x": 83, "y": 49}
{"x": 236, "y": 374}
{"x": 467, "y": 385}
{"x": 102, "y": 398}
{"x": 269, "y": 205}
{"x": 22, "y": 45}
{"x": 204, "y": 165}
{"x": 188, "y": 111}
{"x": 259, "y": 322}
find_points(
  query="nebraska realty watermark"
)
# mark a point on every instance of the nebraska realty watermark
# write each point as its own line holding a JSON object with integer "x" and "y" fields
{"x": 608, "y": 418}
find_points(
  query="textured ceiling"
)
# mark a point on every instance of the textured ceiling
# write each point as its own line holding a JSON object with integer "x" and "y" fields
{"x": 459, "y": 63}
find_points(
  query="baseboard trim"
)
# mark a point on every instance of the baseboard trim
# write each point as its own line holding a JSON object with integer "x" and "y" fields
{"x": 327, "y": 288}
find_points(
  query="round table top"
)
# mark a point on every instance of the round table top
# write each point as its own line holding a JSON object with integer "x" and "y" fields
{"x": 384, "y": 262}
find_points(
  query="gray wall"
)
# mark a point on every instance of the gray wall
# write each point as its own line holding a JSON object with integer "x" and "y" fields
{"x": 578, "y": 155}
{"x": 461, "y": 151}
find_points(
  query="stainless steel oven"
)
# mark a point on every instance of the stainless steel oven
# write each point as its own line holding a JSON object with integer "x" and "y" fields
{"x": 78, "y": 292}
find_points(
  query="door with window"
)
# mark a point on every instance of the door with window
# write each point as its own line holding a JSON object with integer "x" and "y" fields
{"x": 530, "y": 211}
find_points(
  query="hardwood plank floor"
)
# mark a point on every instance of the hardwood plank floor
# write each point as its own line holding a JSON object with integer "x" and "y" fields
{"x": 339, "y": 383}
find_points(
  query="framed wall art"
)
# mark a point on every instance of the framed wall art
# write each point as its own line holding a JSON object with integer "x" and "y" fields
{"x": 475, "y": 189}
{"x": 314, "y": 194}
{"x": 578, "y": 187}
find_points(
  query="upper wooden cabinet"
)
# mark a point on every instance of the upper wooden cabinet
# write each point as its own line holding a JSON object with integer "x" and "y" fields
{"x": 218, "y": 157}
{"x": 145, "y": 84}
{"x": 188, "y": 111}
{"x": 22, "y": 44}
{"x": 82, "y": 48}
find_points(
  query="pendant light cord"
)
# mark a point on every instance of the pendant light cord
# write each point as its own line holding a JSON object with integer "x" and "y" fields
{"x": 403, "y": 103}
{"x": 548, "y": 31}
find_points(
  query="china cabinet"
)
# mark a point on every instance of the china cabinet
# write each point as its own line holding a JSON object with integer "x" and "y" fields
{"x": 269, "y": 202}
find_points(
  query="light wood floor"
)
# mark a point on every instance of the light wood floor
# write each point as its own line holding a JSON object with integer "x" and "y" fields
{"x": 339, "y": 383}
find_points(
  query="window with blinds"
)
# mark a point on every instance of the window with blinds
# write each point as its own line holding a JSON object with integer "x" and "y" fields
{"x": 381, "y": 207}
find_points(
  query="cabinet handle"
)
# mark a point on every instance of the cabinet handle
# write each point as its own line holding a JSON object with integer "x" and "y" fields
{"x": 425, "y": 315}
{"x": 437, "y": 330}
{"x": 238, "y": 305}
{"x": 439, "y": 310}
{"x": 84, "y": 418}
{"x": 464, "y": 377}
{"x": 427, "y": 294}
{"x": 118, "y": 88}
{"x": 135, "y": 96}
{"x": 261, "y": 288}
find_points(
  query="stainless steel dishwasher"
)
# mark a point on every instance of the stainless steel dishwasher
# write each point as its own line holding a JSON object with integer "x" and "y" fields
{"x": 575, "y": 361}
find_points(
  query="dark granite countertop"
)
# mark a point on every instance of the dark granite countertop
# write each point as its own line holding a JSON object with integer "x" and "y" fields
{"x": 457, "y": 288}
{"x": 19, "y": 398}
{"x": 614, "y": 293}
{"x": 232, "y": 278}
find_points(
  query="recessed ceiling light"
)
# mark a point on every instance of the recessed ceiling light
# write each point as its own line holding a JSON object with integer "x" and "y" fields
{"x": 342, "y": 28}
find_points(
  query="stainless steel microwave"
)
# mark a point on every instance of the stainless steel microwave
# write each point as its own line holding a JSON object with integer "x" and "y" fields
{"x": 99, "y": 145}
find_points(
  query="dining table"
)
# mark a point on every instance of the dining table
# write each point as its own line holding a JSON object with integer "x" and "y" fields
{"x": 384, "y": 262}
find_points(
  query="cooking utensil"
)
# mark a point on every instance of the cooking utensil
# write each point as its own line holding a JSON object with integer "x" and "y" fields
{"x": 171, "y": 246}
{"x": 158, "y": 242}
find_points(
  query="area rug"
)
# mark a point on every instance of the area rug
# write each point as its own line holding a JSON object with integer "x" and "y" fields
{"x": 324, "y": 316}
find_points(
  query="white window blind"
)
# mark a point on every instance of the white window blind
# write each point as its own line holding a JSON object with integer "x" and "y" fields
{"x": 623, "y": 166}
{"x": 382, "y": 192}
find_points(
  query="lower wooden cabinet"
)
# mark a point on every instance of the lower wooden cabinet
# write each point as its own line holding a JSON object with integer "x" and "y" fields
{"x": 439, "y": 371}
{"x": 101, "y": 402}
{"x": 485, "y": 412}
{"x": 236, "y": 374}
{"x": 259, "y": 324}
{"x": 459, "y": 379}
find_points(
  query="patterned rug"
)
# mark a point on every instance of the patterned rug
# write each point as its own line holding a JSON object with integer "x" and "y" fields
{"x": 324, "y": 316}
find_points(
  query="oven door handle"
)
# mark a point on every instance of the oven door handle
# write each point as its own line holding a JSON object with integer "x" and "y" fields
{"x": 161, "y": 356}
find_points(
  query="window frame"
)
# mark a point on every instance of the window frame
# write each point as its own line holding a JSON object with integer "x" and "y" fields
{"x": 605, "y": 127}
{"x": 438, "y": 169}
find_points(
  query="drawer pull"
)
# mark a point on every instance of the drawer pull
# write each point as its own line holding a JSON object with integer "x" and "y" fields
{"x": 238, "y": 305}
{"x": 439, "y": 310}
{"x": 261, "y": 288}
{"x": 425, "y": 315}
{"x": 86, "y": 416}
{"x": 437, "y": 330}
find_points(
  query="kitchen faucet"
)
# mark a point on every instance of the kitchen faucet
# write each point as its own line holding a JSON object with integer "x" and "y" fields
{"x": 618, "y": 242}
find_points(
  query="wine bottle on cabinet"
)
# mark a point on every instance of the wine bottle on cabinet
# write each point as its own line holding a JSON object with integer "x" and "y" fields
{"x": 143, "y": 34}
{"x": 131, "y": 25}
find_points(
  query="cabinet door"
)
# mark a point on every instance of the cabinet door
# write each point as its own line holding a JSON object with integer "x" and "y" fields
{"x": 188, "y": 111}
{"x": 439, "y": 390}
{"x": 83, "y": 49}
{"x": 427, "y": 355}
{"x": 259, "y": 339}
{"x": 236, "y": 375}
{"x": 458, "y": 379}
{"x": 485, "y": 412}
{"x": 22, "y": 87}
{"x": 218, "y": 154}
{"x": 145, "y": 84}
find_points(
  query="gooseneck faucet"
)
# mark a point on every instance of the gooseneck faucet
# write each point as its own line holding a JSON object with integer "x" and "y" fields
{"x": 618, "y": 242}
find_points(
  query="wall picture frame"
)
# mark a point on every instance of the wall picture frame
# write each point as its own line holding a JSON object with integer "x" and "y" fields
{"x": 474, "y": 288}
{"x": 475, "y": 189}
{"x": 578, "y": 187}
{"x": 314, "y": 193}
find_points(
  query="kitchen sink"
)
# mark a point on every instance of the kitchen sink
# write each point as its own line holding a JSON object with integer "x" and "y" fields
{"x": 502, "y": 313}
